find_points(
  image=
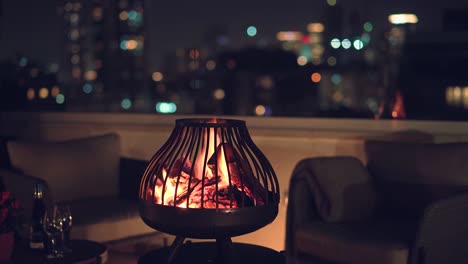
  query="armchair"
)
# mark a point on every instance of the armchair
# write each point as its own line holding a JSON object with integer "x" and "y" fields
{"x": 408, "y": 205}
{"x": 89, "y": 174}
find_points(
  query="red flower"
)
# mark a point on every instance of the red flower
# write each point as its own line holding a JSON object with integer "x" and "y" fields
{"x": 15, "y": 204}
{"x": 9, "y": 207}
{"x": 4, "y": 197}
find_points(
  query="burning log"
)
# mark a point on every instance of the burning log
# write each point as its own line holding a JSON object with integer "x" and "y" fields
{"x": 228, "y": 182}
{"x": 239, "y": 175}
{"x": 181, "y": 165}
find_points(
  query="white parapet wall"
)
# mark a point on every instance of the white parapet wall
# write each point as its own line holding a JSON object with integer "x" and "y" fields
{"x": 284, "y": 141}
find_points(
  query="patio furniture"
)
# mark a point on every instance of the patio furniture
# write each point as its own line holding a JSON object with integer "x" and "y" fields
{"x": 408, "y": 204}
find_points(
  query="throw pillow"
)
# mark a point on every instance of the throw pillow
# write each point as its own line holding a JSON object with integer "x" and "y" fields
{"x": 342, "y": 188}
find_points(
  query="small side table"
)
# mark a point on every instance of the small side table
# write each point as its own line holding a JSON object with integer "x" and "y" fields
{"x": 86, "y": 252}
{"x": 83, "y": 252}
{"x": 205, "y": 252}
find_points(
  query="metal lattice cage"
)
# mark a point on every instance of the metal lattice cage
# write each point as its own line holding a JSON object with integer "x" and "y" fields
{"x": 209, "y": 164}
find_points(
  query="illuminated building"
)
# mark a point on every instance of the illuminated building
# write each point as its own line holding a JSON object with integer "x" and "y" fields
{"x": 105, "y": 46}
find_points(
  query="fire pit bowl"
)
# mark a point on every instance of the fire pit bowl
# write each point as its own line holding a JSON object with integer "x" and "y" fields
{"x": 209, "y": 180}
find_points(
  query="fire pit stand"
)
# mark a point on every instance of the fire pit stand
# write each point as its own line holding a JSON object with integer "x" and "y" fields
{"x": 208, "y": 181}
{"x": 224, "y": 250}
{"x": 206, "y": 253}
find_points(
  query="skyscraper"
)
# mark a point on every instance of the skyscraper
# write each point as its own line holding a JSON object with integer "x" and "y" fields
{"x": 104, "y": 47}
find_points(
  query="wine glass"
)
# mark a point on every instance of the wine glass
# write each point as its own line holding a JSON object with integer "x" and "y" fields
{"x": 63, "y": 213}
{"x": 54, "y": 233}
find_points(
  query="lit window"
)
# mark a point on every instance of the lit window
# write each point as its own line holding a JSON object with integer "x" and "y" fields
{"x": 346, "y": 43}
{"x": 289, "y": 36}
{"x": 398, "y": 19}
{"x": 260, "y": 110}
{"x": 123, "y": 15}
{"x": 335, "y": 43}
{"x": 131, "y": 44}
{"x": 251, "y": 31}
{"x": 315, "y": 27}
{"x": 30, "y": 94}
{"x": 358, "y": 44}
{"x": 90, "y": 75}
{"x": 166, "y": 107}
{"x": 219, "y": 94}
{"x": 55, "y": 91}
{"x": 126, "y": 104}
{"x": 316, "y": 77}
{"x": 43, "y": 93}
{"x": 302, "y": 60}
{"x": 157, "y": 76}
{"x": 60, "y": 99}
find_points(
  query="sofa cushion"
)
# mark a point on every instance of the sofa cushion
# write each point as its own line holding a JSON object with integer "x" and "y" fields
{"x": 106, "y": 218}
{"x": 86, "y": 167}
{"x": 357, "y": 243}
{"x": 341, "y": 186}
{"x": 411, "y": 175}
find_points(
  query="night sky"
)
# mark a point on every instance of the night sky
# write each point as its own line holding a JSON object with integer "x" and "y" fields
{"x": 34, "y": 28}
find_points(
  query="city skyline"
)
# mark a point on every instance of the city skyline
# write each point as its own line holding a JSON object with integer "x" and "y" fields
{"x": 320, "y": 58}
{"x": 175, "y": 24}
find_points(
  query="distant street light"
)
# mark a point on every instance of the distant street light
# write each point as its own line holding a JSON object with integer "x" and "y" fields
{"x": 399, "y": 19}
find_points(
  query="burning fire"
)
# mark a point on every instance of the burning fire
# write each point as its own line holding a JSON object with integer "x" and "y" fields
{"x": 215, "y": 177}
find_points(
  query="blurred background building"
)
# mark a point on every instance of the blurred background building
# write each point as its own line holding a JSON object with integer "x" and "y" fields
{"x": 105, "y": 54}
{"x": 343, "y": 61}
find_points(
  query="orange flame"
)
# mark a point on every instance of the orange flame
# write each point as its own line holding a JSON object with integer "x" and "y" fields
{"x": 216, "y": 178}
{"x": 398, "y": 111}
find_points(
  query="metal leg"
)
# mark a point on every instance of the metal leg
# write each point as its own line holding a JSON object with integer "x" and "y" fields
{"x": 178, "y": 241}
{"x": 224, "y": 251}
